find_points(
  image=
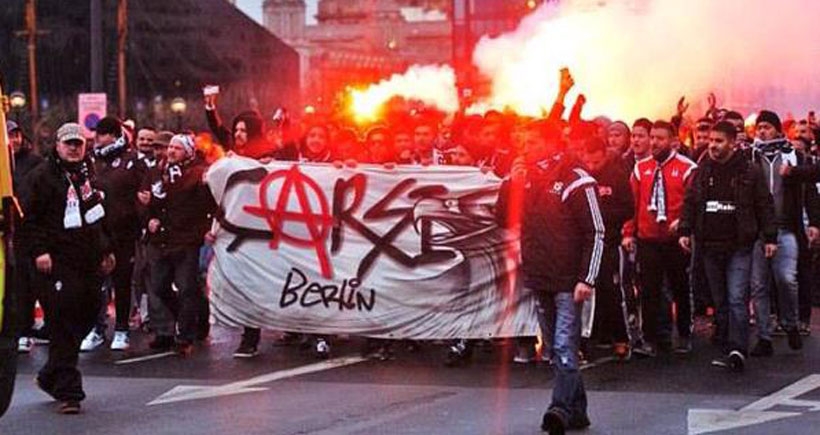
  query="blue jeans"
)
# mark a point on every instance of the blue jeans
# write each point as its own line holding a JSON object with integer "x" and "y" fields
{"x": 728, "y": 273}
{"x": 783, "y": 267}
{"x": 560, "y": 317}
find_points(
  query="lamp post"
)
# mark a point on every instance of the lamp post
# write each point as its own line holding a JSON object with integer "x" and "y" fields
{"x": 178, "y": 108}
{"x": 17, "y": 100}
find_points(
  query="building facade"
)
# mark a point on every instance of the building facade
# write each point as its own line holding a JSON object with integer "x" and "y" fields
{"x": 357, "y": 43}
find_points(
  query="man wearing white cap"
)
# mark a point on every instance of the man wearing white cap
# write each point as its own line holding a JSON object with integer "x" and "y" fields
{"x": 65, "y": 234}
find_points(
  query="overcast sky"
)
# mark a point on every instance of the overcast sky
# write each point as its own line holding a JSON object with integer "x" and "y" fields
{"x": 253, "y": 8}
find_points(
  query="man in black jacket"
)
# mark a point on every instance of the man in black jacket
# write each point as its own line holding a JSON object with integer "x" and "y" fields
{"x": 562, "y": 234}
{"x": 728, "y": 207}
{"x": 178, "y": 219}
{"x": 617, "y": 206}
{"x": 770, "y": 151}
{"x": 65, "y": 234}
{"x": 119, "y": 173}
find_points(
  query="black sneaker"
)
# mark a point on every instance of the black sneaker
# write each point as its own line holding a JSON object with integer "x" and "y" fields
{"x": 578, "y": 423}
{"x": 69, "y": 407}
{"x": 44, "y": 387}
{"x": 457, "y": 354}
{"x": 737, "y": 361}
{"x": 411, "y": 346}
{"x": 184, "y": 348}
{"x": 288, "y": 339}
{"x": 684, "y": 346}
{"x": 721, "y": 362}
{"x": 203, "y": 334}
{"x": 763, "y": 348}
{"x": 385, "y": 353}
{"x": 795, "y": 342}
{"x": 646, "y": 350}
{"x": 162, "y": 343}
{"x": 246, "y": 350}
{"x": 554, "y": 422}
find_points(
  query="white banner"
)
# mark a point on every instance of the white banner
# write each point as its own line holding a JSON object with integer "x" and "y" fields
{"x": 411, "y": 252}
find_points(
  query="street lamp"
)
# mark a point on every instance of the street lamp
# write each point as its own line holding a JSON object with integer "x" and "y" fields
{"x": 178, "y": 108}
{"x": 17, "y": 100}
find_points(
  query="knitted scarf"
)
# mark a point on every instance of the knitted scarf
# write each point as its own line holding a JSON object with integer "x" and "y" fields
{"x": 89, "y": 200}
{"x": 657, "y": 196}
{"x": 111, "y": 149}
{"x": 771, "y": 147}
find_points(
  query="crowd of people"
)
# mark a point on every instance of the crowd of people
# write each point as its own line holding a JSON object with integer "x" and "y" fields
{"x": 684, "y": 221}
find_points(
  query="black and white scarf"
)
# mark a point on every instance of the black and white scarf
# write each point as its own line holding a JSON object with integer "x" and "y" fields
{"x": 657, "y": 196}
{"x": 111, "y": 149}
{"x": 85, "y": 207}
{"x": 770, "y": 148}
{"x": 171, "y": 173}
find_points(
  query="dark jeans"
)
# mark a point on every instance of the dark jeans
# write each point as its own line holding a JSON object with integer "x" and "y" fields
{"x": 659, "y": 261}
{"x": 141, "y": 276}
{"x": 121, "y": 283}
{"x": 729, "y": 275}
{"x": 610, "y": 309}
{"x": 701, "y": 293}
{"x": 561, "y": 316}
{"x": 805, "y": 284}
{"x": 27, "y": 291}
{"x": 178, "y": 267}
{"x": 71, "y": 297}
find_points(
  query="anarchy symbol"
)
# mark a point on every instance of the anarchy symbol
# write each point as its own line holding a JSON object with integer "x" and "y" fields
{"x": 317, "y": 224}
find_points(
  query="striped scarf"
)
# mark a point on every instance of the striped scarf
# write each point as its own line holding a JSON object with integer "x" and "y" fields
{"x": 657, "y": 198}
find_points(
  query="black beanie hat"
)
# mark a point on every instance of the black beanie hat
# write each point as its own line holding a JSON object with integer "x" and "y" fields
{"x": 771, "y": 118}
{"x": 109, "y": 125}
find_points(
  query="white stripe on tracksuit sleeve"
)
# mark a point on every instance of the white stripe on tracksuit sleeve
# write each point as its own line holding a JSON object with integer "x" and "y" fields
{"x": 598, "y": 248}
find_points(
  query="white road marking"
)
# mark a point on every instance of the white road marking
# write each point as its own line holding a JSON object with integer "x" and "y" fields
{"x": 600, "y": 361}
{"x": 145, "y": 358}
{"x": 190, "y": 392}
{"x": 701, "y": 421}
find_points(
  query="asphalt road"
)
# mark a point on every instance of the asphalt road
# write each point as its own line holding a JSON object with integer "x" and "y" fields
{"x": 286, "y": 391}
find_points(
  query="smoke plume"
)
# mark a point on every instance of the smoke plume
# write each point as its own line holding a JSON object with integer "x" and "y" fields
{"x": 433, "y": 85}
{"x": 635, "y": 58}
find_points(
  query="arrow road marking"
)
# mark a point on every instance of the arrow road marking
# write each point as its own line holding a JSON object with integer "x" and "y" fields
{"x": 712, "y": 420}
{"x": 190, "y": 392}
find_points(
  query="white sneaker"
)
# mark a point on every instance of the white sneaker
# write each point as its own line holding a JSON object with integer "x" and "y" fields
{"x": 24, "y": 345}
{"x": 120, "y": 341}
{"x": 92, "y": 341}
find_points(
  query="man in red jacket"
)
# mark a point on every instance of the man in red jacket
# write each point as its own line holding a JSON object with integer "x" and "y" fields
{"x": 659, "y": 184}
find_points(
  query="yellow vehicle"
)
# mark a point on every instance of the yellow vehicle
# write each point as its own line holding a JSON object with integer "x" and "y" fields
{"x": 8, "y": 342}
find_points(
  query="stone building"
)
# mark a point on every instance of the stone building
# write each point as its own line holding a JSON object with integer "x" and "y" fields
{"x": 359, "y": 42}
